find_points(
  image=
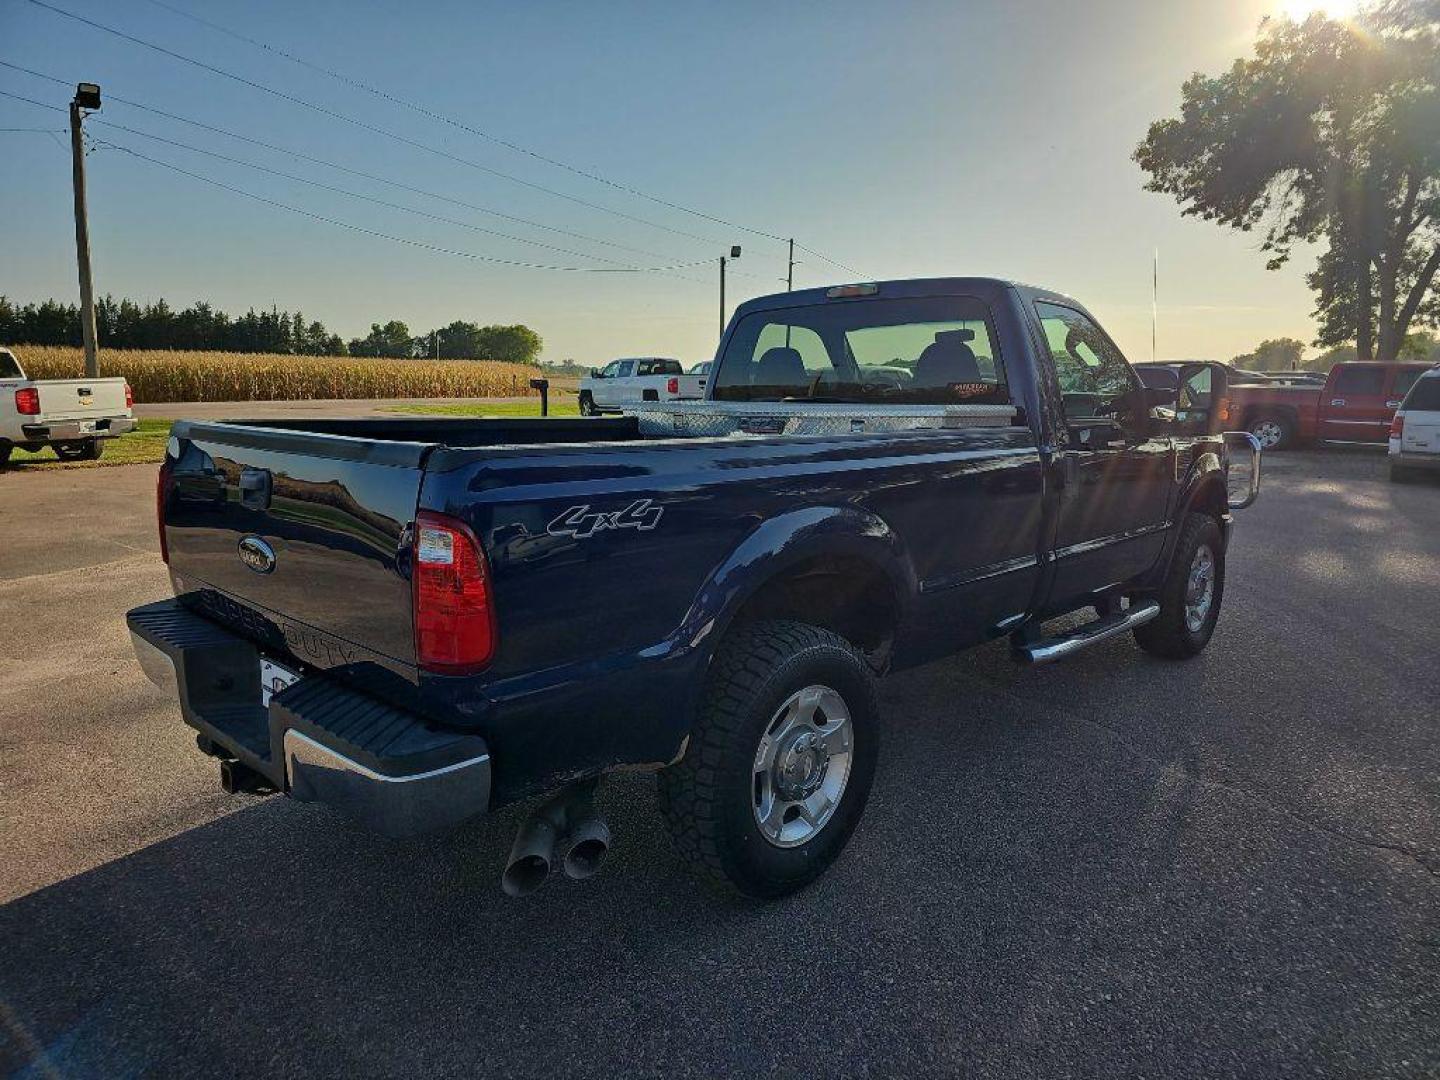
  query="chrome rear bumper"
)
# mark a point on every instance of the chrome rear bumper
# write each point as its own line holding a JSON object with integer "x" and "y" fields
{"x": 316, "y": 740}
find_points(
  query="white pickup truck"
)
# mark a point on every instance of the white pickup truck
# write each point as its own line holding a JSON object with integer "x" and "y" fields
{"x": 72, "y": 415}
{"x": 636, "y": 379}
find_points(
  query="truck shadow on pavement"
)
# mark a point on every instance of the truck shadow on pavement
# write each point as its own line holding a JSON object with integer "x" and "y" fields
{"x": 1028, "y": 894}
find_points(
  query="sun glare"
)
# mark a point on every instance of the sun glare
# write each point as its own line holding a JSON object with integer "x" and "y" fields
{"x": 1300, "y": 10}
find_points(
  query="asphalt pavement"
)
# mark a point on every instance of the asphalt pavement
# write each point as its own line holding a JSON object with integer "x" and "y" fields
{"x": 1115, "y": 866}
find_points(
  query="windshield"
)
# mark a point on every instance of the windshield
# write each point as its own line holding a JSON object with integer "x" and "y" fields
{"x": 9, "y": 366}
{"x": 930, "y": 350}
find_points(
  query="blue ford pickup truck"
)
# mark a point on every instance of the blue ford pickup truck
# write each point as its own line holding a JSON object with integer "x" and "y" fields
{"x": 419, "y": 620}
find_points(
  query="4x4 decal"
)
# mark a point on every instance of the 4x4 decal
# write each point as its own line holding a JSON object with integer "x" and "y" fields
{"x": 580, "y": 522}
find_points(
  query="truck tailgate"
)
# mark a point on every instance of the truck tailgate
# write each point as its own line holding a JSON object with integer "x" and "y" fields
{"x": 302, "y": 534}
{"x": 70, "y": 399}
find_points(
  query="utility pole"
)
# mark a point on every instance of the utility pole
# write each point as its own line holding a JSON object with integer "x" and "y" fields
{"x": 87, "y": 97}
{"x": 1154, "y": 301}
{"x": 734, "y": 254}
{"x": 722, "y": 296}
{"x": 790, "y": 268}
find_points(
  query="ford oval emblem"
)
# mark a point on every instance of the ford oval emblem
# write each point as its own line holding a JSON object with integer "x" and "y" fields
{"x": 257, "y": 554}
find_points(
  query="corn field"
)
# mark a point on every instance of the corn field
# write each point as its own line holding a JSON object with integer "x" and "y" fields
{"x": 158, "y": 375}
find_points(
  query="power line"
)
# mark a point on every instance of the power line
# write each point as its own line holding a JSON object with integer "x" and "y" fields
{"x": 376, "y": 129}
{"x": 828, "y": 259}
{"x": 110, "y": 124}
{"x": 323, "y": 110}
{"x": 301, "y": 155}
{"x": 433, "y": 115}
{"x": 408, "y": 242}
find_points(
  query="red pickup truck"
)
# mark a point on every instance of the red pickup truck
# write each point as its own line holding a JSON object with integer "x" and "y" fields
{"x": 1356, "y": 404}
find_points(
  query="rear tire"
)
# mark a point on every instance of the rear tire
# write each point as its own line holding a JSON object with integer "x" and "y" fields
{"x": 79, "y": 450}
{"x": 1190, "y": 595}
{"x": 1276, "y": 431}
{"x": 5, "y": 449}
{"x": 587, "y": 404}
{"x": 760, "y": 803}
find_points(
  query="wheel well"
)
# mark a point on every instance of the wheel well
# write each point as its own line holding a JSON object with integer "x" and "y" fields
{"x": 850, "y": 596}
{"x": 1284, "y": 412}
{"x": 1212, "y": 499}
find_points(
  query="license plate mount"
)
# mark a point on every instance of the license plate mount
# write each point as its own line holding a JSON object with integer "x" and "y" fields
{"x": 274, "y": 678}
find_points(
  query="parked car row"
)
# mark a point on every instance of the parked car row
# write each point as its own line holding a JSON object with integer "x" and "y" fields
{"x": 74, "y": 416}
{"x": 1353, "y": 404}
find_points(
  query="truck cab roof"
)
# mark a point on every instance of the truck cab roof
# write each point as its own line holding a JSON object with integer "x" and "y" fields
{"x": 984, "y": 288}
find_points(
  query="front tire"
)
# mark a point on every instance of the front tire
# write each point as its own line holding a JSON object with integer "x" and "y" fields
{"x": 780, "y": 761}
{"x": 587, "y": 404}
{"x": 1191, "y": 594}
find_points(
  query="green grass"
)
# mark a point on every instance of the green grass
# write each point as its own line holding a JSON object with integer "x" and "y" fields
{"x": 497, "y": 408}
{"x": 145, "y": 443}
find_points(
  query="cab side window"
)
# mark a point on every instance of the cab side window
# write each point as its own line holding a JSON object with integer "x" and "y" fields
{"x": 626, "y": 369}
{"x": 1359, "y": 380}
{"x": 1095, "y": 380}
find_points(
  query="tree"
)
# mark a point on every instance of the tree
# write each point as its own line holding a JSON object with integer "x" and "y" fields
{"x": 392, "y": 339}
{"x": 1329, "y": 134}
{"x": 467, "y": 341}
{"x": 518, "y": 344}
{"x": 1274, "y": 354}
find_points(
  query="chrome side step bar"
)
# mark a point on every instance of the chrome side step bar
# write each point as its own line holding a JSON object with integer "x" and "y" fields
{"x": 1048, "y": 650}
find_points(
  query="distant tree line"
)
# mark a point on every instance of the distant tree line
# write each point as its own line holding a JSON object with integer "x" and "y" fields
{"x": 458, "y": 341}
{"x": 1288, "y": 354}
{"x": 124, "y": 324}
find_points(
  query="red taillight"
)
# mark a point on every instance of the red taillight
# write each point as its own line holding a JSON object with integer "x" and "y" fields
{"x": 1397, "y": 426}
{"x": 454, "y": 611}
{"x": 162, "y": 490}
{"x": 673, "y": 386}
{"x": 129, "y": 396}
{"x": 27, "y": 401}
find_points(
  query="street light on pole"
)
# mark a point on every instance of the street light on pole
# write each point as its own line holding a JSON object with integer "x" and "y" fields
{"x": 734, "y": 254}
{"x": 86, "y": 100}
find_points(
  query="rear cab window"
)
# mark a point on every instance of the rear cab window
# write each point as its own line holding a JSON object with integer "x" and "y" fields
{"x": 936, "y": 350}
{"x": 9, "y": 366}
{"x": 1404, "y": 379}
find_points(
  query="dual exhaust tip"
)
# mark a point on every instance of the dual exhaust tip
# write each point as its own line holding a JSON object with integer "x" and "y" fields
{"x": 566, "y": 831}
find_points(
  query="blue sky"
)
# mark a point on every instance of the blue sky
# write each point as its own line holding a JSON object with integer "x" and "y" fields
{"x": 902, "y": 139}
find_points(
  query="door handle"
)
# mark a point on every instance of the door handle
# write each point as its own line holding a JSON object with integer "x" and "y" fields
{"x": 1337, "y": 401}
{"x": 1392, "y": 404}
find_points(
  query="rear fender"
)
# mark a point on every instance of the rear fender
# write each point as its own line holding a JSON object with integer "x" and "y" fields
{"x": 786, "y": 541}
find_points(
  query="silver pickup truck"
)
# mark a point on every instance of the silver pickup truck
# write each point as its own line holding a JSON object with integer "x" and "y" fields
{"x": 74, "y": 416}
